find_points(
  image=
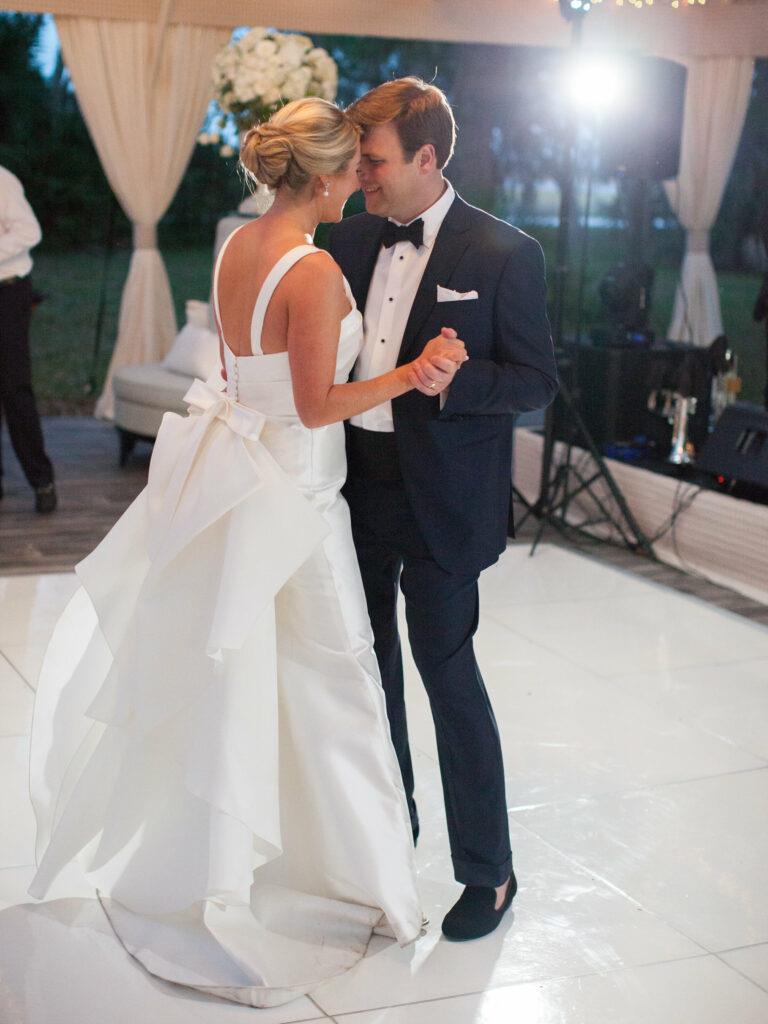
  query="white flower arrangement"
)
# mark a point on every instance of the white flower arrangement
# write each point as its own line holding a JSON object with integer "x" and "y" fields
{"x": 255, "y": 75}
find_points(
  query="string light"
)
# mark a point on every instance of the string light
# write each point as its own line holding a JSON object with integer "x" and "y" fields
{"x": 582, "y": 6}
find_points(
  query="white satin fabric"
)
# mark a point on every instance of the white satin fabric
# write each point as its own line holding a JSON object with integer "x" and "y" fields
{"x": 210, "y": 740}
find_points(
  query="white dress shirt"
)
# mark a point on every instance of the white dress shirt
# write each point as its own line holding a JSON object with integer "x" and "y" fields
{"x": 395, "y": 281}
{"x": 19, "y": 230}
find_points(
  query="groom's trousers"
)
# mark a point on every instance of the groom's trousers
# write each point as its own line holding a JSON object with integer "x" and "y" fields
{"x": 442, "y": 614}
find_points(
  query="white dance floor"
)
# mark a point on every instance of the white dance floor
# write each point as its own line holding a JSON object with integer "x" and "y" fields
{"x": 635, "y": 728}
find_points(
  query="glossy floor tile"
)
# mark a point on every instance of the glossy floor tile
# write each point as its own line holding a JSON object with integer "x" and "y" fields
{"x": 696, "y": 852}
{"x": 548, "y": 576}
{"x": 729, "y": 701}
{"x": 31, "y": 605}
{"x": 565, "y": 730}
{"x": 698, "y": 991}
{"x": 634, "y": 724}
{"x": 653, "y": 630}
{"x": 27, "y": 659}
{"x": 16, "y": 700}
{"x": 751, "y": 961}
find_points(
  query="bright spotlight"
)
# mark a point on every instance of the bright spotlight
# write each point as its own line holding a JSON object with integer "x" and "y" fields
{"x": 574, "y": 10}
{"x": 594, "y": 85}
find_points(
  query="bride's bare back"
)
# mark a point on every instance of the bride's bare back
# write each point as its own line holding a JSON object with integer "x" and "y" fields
{"x": 250, "y": 256}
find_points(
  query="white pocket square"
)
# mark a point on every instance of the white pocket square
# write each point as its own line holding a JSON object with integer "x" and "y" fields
{"x": 448, "y": 295}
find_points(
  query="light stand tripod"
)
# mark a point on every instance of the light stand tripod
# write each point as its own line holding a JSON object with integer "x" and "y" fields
{"x": 558, "y": 491}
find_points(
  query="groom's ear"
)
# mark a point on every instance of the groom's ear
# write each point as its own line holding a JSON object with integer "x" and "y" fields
{"x": 426, "y": 159}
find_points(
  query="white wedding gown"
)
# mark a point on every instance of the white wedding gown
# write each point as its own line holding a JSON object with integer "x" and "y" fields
{"x": 210, "y": 740}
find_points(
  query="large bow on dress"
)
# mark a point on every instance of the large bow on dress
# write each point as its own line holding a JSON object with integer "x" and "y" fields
{"x": 207, "y": 466}
{"x": 160, "y": 675}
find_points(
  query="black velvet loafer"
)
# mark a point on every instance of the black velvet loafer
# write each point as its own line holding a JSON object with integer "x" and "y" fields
{"x": 45, "y": 499}
{"x": 474, "y": 915}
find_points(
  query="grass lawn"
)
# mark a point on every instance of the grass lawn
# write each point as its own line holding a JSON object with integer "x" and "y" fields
{"x": 63, "y": 326}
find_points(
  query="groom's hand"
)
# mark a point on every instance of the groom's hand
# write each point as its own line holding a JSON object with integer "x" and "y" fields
{"x": 436, "y": 367}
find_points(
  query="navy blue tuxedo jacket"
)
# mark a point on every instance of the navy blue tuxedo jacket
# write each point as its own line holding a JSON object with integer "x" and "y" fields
{"x": 456, "y": 461}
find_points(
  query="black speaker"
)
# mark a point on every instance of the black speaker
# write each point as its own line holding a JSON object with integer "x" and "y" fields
{"x": 738, "y": 446}
{"x": 611, "y": 386}
{"x": 641, "y": 135}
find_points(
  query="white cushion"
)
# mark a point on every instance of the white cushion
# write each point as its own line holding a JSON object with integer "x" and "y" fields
{"x": 152, "y": 384}
{"x": 144, "y": 393}
{"x": 195, "y": 350}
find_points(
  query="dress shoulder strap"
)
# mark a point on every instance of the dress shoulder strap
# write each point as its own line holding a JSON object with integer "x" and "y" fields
{"x": 215, "y": 289}
{"x": 272, "y": 280}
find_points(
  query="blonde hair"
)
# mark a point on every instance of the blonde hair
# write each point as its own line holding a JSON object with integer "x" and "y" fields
{"x": 303, "y": 139}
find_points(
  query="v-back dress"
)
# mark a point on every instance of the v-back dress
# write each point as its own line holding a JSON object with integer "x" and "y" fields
{"x": 210, "y": 740}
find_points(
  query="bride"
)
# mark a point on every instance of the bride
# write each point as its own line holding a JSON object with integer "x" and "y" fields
{"x": 210, "y": 741}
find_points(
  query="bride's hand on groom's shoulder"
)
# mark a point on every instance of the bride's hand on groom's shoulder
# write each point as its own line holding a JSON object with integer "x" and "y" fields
{"x": 435, "y": 368}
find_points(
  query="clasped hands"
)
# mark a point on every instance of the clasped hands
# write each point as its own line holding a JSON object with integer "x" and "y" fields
{"x": 435, "y": 368}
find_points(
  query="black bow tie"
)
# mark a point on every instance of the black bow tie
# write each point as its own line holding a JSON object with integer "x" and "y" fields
{"x": 413, "y": 232}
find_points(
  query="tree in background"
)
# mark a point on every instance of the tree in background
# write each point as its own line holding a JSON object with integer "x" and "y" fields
{"x": 44, "y": 141}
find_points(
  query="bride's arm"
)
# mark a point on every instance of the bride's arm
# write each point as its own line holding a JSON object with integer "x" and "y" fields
{"x": 316, "y": 303}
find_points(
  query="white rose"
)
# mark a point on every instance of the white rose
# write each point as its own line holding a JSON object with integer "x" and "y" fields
{"x": 253, "y": 37}
{"x": 242, "y": 93}
{"x": 290, "y": 90}
{"x": 291, "y": 55}
{"x": 266, "y": 48}
{"x": 247, "y": 83}
{"x": 295, "y": 85}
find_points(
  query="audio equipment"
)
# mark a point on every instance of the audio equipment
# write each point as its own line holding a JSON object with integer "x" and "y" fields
{"x": 738, "y": 447}
{"x": 612, "y": 386}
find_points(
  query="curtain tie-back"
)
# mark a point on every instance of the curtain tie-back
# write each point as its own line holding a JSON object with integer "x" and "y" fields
{"x": 144, "y": 236}
{"x": 698, "y": 241}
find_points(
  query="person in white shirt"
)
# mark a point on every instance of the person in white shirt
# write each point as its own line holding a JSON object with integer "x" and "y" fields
{"x": 20, "y": 232}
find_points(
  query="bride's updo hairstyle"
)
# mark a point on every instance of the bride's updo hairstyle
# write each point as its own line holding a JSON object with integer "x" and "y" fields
{"x": 303, "y": 139}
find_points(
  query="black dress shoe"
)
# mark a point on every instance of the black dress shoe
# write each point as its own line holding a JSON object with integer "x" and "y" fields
{"x": 45, "y": 498}
{"x": 475, "y": 915}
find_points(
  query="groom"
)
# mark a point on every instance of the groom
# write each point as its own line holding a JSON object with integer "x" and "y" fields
{"x": 429, "y": 473}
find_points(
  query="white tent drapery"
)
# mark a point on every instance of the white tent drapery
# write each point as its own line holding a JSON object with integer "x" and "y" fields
{"x": 716, "y": 99}
{"x": 718, "y": 28}
{"x": 143, "y": 90}
{"x": 723, "y": 29}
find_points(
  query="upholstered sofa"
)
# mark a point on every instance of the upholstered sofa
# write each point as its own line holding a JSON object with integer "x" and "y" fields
{"x": 145, "y": 391}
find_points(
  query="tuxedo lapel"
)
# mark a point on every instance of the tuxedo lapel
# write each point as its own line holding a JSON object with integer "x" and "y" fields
{"x": 450, "y": 244}
{"x": 363, "y": 260}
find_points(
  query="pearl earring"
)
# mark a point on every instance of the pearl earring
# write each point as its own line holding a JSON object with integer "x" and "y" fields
{"x": 326, "y": 189}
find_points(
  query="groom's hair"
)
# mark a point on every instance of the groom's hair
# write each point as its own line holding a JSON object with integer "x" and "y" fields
{"x": 419, "y": 112}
